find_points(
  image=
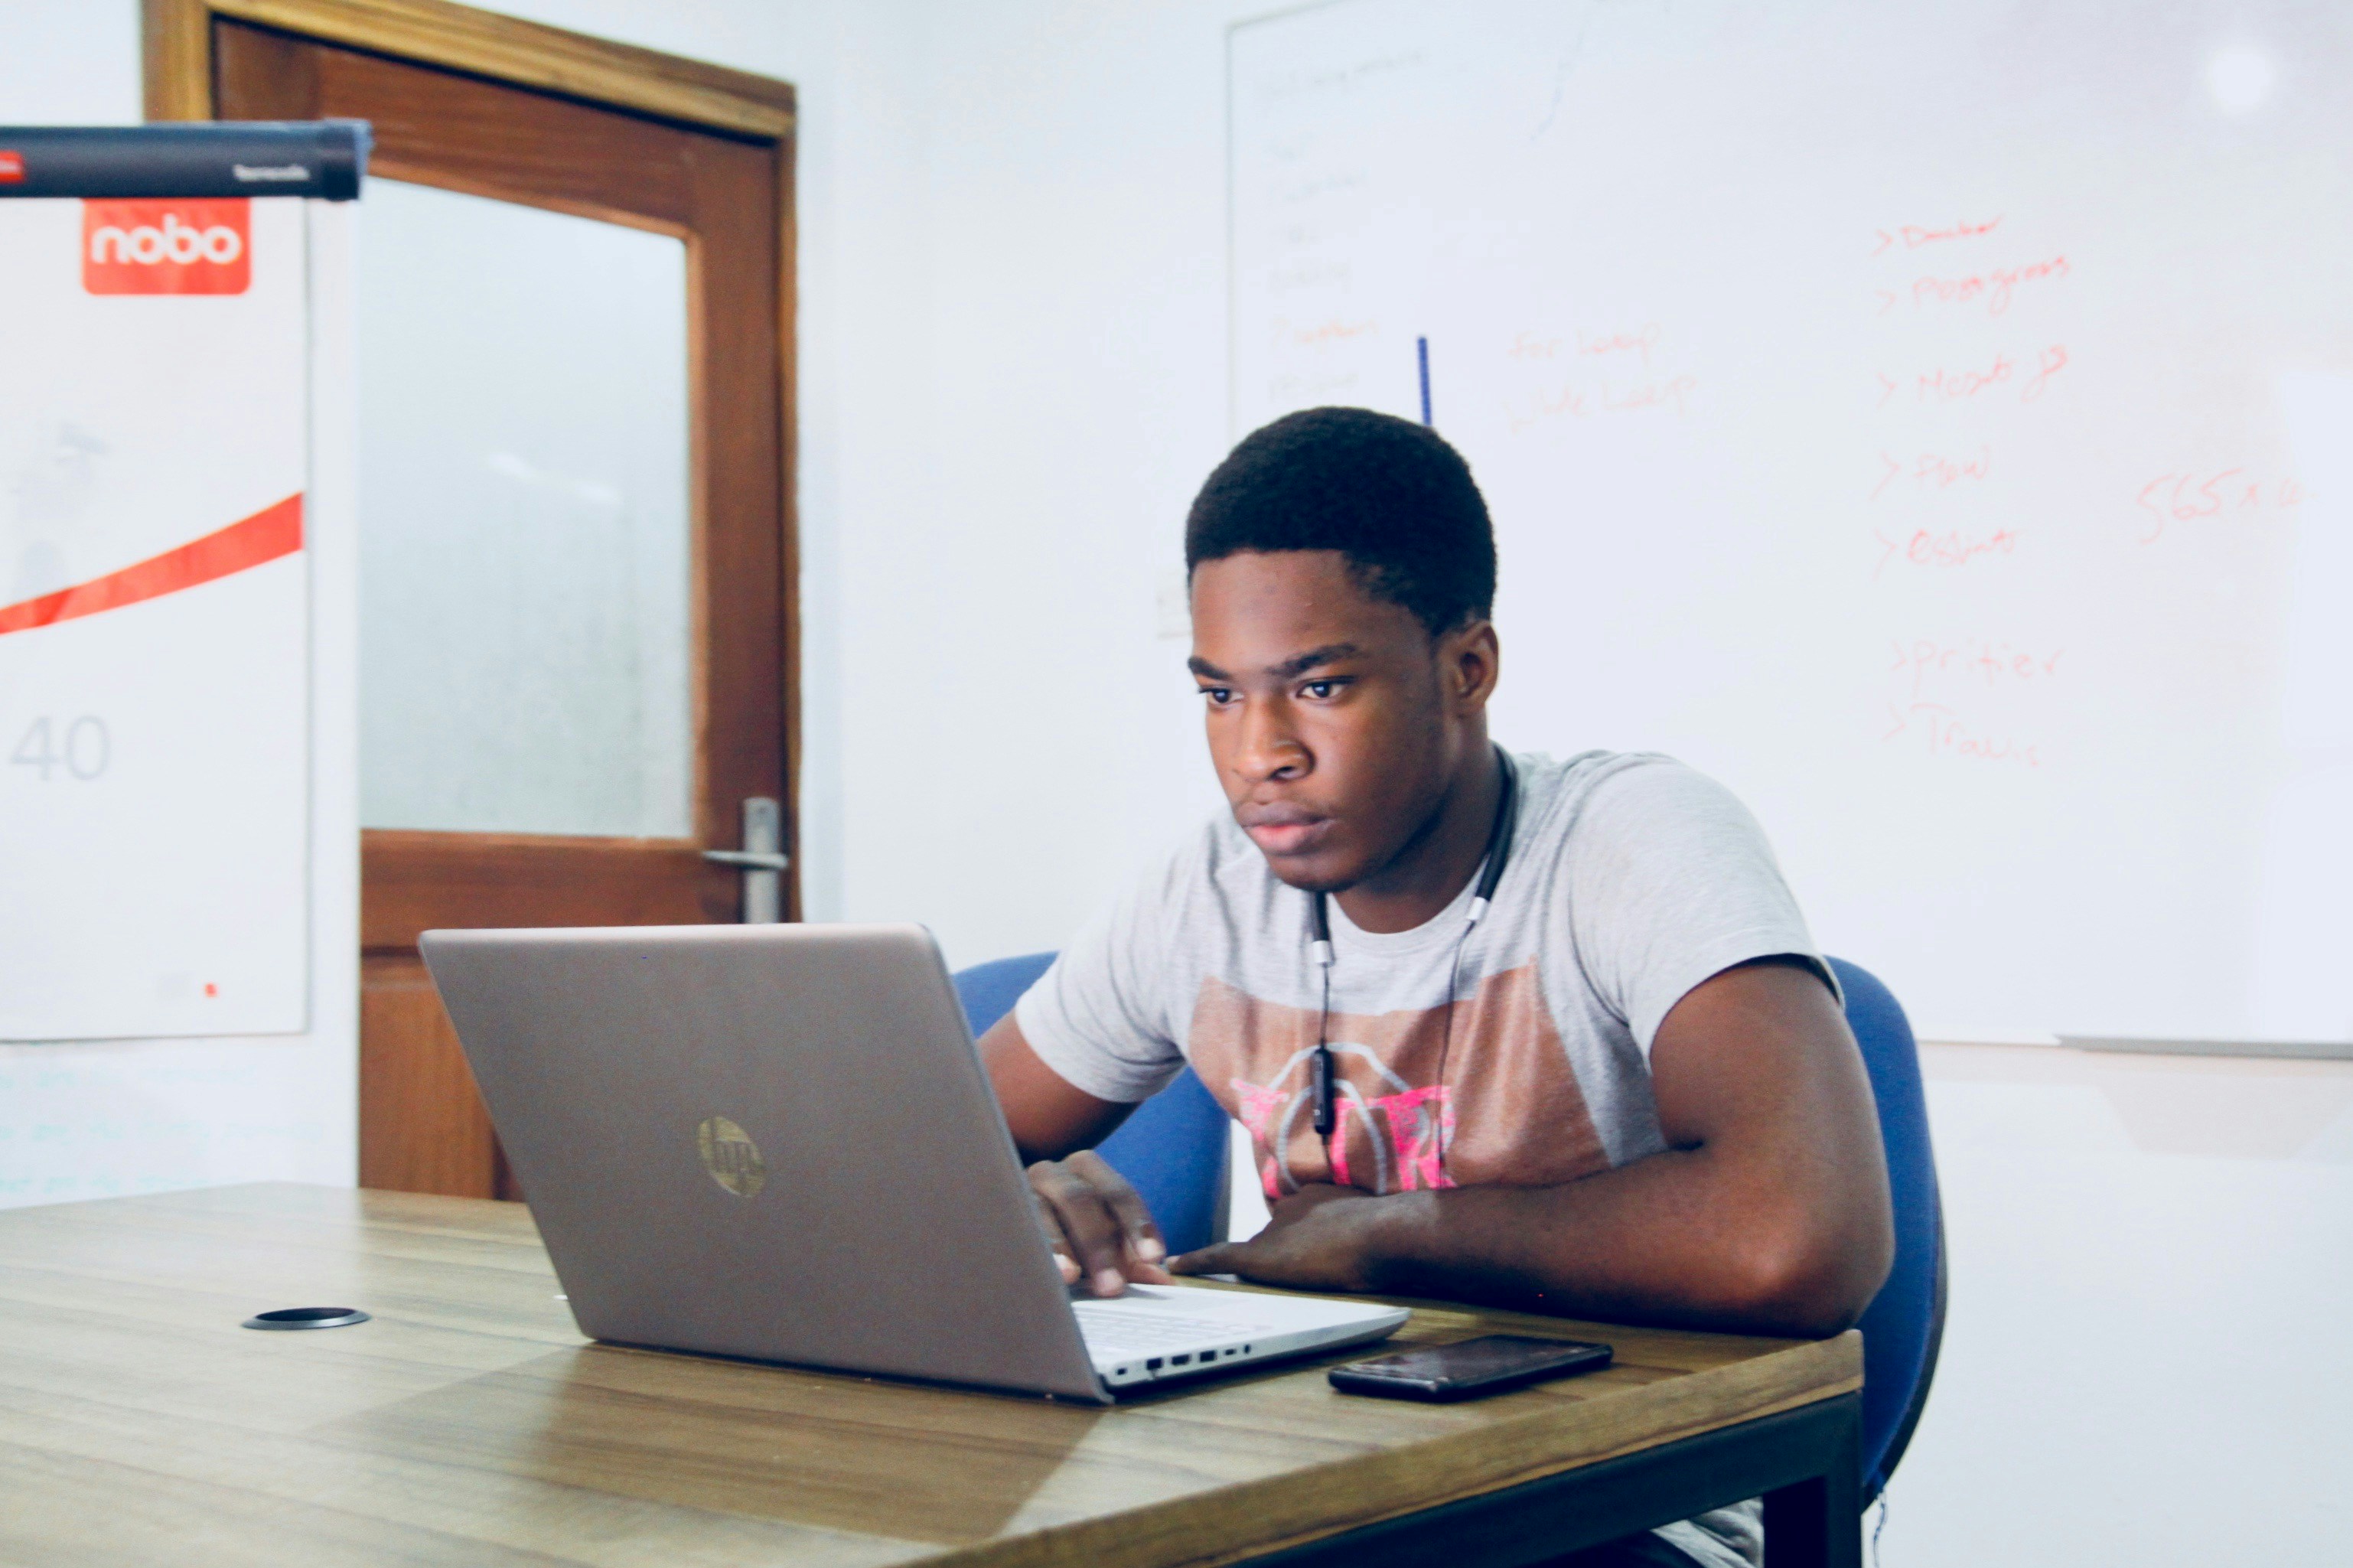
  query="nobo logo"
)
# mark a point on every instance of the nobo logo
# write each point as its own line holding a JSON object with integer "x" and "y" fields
{"x": 166, "y": 247}
{"x": 731, "y": 1157}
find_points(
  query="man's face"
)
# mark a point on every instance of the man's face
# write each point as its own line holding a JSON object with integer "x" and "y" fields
{"x": 1335, "y": 721}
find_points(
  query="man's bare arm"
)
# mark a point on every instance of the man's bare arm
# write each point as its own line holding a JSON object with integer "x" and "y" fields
{"x": 1767, "y": 1211}
{"x": 1051, "y": 1117}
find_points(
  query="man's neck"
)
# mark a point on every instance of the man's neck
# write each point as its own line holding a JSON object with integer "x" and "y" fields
{"x": 1430, "y": 870}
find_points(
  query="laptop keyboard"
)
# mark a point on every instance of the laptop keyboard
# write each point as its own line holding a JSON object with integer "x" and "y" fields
{"x": 1108, "y": 1329}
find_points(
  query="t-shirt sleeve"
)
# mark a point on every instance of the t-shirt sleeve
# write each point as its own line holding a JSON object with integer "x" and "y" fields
{"x": 1671, "y": 881}
{"x": 1099, "y": 1015}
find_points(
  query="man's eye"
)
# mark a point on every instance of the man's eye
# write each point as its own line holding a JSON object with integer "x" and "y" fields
{"x": 1320, "y": 690}
{"x": 1217, "y": 695}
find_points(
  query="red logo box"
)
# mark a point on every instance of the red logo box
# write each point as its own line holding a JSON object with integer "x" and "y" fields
{"x": 186, "y": 247}
{"x": 12, "y": 168}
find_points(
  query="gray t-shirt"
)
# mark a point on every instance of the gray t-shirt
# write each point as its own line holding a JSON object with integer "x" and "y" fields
{"x": 1631, "y": 880}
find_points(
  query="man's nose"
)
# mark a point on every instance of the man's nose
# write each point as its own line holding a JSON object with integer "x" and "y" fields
{"x": 1269, "y": 748}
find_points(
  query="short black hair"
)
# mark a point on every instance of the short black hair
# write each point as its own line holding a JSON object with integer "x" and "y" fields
{"x": 1388, "y": 495}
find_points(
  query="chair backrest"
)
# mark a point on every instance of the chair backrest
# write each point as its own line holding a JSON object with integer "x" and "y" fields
{"x": 1905, "y": 1324}
{"x": 1172, "y": 1146}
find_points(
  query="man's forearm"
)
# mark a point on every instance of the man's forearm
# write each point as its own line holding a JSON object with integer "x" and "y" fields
{"x": 1660, "y": 1240}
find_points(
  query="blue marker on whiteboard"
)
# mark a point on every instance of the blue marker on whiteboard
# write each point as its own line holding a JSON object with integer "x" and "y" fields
{"x": 1421, "y": 348}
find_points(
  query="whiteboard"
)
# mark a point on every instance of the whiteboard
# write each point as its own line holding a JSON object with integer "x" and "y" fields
{"x": 154, "y": 620}
{"x": 1934, "y": 420}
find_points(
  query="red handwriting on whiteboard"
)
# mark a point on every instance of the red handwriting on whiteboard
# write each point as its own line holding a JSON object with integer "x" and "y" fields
{"x": 1949, "y": 384}
{"x": 1925, "y": 547}
{"x": 1317, "y": 335}
{"x": 1671, "y": 395}
{"x": 2194, "y": 497}
{"x": 1994, "y": 286}
{"x": 1319, "y": 188}
{"x": 1642, "y": 340}
{"x": 1911, "y": 236}
{"x": 1975, "y": 659}
{"x": 1306, "y": 275}
{"x": 1526, "y": 344}
{"x": 1947, "y": 735}
{"x": 1321, "y": 386}
{"x": 1942, "y": 386}
{"x": 1933, "y": 471}
{"x": 1568, "y": 403}
{"x": 2048, "y": 363}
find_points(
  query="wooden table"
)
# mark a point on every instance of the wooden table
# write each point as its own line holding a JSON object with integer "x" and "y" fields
{"x": 470, "y": 1423}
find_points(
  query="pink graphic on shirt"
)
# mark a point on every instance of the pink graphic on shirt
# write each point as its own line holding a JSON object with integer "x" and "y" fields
{"x": 1256, "y": 1108}
{"x": 1493, "y": 1059}
{"x": 1405, "y": 1132}
{"x": 1418, "y": 1138}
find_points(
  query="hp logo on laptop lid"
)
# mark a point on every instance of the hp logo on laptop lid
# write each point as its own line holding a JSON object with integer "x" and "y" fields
{"x": 731, "y": 1156}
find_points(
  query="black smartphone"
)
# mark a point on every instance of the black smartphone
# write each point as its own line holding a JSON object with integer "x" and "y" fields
{"x": 1469, "y": 1368}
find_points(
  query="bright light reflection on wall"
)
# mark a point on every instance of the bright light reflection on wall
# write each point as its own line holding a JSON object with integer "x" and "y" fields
{"x": 2241, "y": 77}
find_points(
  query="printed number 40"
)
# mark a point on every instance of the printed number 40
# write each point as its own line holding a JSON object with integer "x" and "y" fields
{"x": 82, "y": 749}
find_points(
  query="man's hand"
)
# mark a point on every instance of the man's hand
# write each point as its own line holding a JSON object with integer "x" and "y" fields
{"x": 1318, "y": 1238}
{"x": 1097, "y": 1223}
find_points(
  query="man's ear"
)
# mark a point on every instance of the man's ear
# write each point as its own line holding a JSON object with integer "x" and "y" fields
{"x": 1469, "y": 662}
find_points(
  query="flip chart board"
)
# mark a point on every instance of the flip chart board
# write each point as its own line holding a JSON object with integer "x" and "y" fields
{"x": 1934, "y": 420}
{"x": 154, "y": 603}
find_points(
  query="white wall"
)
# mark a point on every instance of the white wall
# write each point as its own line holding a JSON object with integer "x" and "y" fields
{"x": 67, "y": 63}
{"x": 2144, "y": 1359}
{"x": 1017, "y": 737}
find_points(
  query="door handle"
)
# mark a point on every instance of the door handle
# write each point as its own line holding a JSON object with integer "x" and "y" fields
{"x": 761, "y": 860}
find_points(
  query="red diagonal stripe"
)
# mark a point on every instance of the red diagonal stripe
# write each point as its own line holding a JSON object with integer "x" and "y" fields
{"x": 272, "y": 532}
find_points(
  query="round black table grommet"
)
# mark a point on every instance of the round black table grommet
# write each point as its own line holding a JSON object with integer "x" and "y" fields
{"x": 307, "y": 1317}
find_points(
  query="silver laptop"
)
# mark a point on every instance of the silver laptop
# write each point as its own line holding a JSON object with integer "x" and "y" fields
{"x": 776, "y": 1141}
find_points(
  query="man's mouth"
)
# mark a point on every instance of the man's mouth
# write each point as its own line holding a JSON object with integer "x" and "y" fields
{"x": 1282, "y": 830}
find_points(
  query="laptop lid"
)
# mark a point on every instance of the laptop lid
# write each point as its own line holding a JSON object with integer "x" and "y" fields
{"x": 772, "y": 1142}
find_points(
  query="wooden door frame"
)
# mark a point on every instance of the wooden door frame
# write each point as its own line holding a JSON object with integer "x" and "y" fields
{"x": 178, "y": 70}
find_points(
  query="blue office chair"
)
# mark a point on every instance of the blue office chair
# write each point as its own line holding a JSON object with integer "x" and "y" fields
{"x": 1173, "y": 1148}
{"x": 1905, "y": 1324}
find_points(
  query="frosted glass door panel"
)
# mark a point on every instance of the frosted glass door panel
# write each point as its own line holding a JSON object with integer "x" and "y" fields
{"x": 525, "y": 545}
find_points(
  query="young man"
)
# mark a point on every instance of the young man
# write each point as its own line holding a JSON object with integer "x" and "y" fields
{"x": 1622, "y": 1089}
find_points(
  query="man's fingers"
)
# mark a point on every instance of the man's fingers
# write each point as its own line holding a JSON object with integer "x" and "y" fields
{"x": 1103, "y": 1222}
{"x": 1093, "y": 1231}
{"x": 1052, "y": 1230}
{"x": 1145, "y": 1242}
{"x": 1218, "y": 1257}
